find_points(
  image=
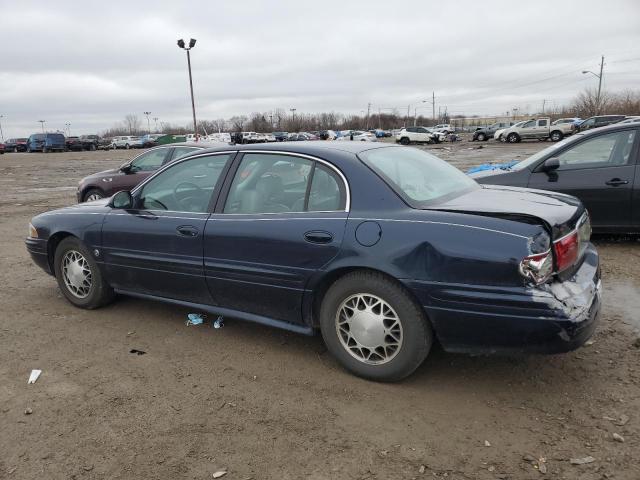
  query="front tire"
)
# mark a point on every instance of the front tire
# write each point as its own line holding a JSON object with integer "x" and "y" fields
{"x": 127, "y": 146}
{"x": 92, "y": 194}
{"x": 513, "y": 138}
{"x": 374, "y": 328}
{"x": 481, "y": 137}
{"x": 79, "y": 277}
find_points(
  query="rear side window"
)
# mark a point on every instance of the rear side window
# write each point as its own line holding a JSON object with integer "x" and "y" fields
{"x": 270, "y": 183}
{"x": 542, "y": 123}
{"x": 420, "y": 178}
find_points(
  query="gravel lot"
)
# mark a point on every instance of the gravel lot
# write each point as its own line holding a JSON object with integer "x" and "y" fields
{"x": 265, "y": 404}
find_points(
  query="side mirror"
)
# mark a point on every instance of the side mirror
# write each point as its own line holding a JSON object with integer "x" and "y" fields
{"x": 125, "y": 167}
{"x": 551, "y": 164}
{"x": 122, "y": 200}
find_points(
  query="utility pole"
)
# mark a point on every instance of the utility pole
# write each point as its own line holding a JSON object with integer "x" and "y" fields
{"x": 368, "y": 111}
{"x": 42, "y": 124}
{"x": 68, "y": 128}
{"x": 379, "y": 119}
{"x": 544, "y": 100}
{"x": 293, "y": 117}
{"x": 148, "y": 124}
{"x": 433, "y": 104}
{"x": 1, "y": 134}
{"x": 155, "y": 120}
{"x": 600, "y": 81}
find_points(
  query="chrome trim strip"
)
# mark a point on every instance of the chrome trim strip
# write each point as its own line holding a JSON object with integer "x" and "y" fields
{"x": 441, "y": 223}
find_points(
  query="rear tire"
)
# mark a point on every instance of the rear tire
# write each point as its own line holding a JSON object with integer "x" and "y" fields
{"x": 79, "y": 276}
{"x": 364, "y": 310}
{"x": 405, "y": 141}
{"x": 127, "y": 146}
{"x": 556, "y": 136}
{"x": 92, "y": 147}
{"x": 15, "y": 149}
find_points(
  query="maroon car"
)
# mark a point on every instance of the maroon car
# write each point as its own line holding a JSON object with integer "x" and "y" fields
{"x": 1, "y": 148}
{"x": 105, "y": 184}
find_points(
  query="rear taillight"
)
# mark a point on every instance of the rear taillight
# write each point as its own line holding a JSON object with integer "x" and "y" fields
{"x": 537, "y": 268}
{"x": 566, "y": 249}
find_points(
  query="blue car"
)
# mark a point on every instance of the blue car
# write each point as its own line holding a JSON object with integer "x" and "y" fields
{"x": 383, "y": 249}
{"x": 46, "y": 142}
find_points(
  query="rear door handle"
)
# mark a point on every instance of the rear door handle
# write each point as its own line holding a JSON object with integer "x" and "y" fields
{"x": 614, "y": 182}
{"x": 187, "y": 231}
{"x": 318, "y": 236}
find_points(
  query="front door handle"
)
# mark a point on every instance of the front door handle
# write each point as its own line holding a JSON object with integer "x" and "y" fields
{"x": 187, "y": 231}
{"x": 614, "y": 182}
{"x": 318, "y": 236}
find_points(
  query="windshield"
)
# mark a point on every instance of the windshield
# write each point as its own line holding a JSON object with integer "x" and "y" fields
{"x": 420, "y": 178}
{"x": 533, "y": 159}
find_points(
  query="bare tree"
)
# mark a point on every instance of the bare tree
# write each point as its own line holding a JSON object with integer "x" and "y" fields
{"x": 238, "y": 122}
{"x": 132, "y": 123}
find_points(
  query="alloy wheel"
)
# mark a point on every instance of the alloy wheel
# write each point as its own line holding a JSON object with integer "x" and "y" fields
{"x": 369, "y": 329}
{"x": 76, "y": 274}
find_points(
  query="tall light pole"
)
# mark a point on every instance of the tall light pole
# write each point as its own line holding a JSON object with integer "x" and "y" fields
{"x": 1, "y": 134}
{"x": 155, "y": 119}
{"x": 368, "y": 112}
{"x": 42, "y": 124}
{"x": 599, "y": 77}
{"x": 192, "y": 43}
{"x": 68, "y": 127}
{"x": 293, "y": 116}
{"x": 415, "y": 113}
{"x": 148, "y": 124}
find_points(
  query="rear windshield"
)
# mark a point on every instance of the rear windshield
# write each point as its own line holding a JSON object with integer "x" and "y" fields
{"x": 420, "y": 178}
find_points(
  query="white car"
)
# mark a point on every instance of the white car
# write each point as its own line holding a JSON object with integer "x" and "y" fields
{"x": 270, "y": 137}
{"x": 444, "y": 128}
{"x": 410, "y": 135}
{"x": 126, "y": 141}
{"x": 358, "y": 136}
{"x": 223, "y": 137}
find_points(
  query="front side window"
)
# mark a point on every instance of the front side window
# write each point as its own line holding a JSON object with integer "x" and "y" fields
{"x": 182, "y": 151}
{"x": 610, "y": 150}
{"x": 270, "y": 183}
{"x": 187, "y": 186}
{"x": 149, "y": 161}
{"x": 529, "y": 124}
{"x": 588, "y": 123}
{"x": 420, "y": 178}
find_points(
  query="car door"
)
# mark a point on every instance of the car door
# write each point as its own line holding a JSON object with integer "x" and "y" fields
{"x": 600, "y": 171}
{"x": 528, "y": 129}
{"x": 155, "y": 248}
{"x": 282, "y": 219}
{"x": 541, "y": 130}
{"x": 423, "y": 134}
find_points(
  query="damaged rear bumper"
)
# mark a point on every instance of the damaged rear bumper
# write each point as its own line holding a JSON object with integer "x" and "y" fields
{"x": 554, "y": 318}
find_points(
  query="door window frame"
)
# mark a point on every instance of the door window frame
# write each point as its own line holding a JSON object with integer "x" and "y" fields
{"x": 217, "y": 189}
{"x": 235, "y": 165}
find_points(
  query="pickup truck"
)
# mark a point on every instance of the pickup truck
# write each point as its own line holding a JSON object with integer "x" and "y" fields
{"x": 537, "y": 128}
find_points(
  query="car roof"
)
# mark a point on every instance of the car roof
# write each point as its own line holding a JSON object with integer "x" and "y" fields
{"x": 316, "y": 148}
{"x": 609, "y": 128}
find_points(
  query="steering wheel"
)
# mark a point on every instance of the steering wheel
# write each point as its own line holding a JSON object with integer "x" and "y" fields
{"x": 188, "y": 196}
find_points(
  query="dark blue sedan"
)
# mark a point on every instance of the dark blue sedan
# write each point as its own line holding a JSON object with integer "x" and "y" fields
{"x": 382, "y": 248}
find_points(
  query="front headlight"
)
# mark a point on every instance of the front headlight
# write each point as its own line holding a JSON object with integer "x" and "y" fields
{"x": 33, "y": 233}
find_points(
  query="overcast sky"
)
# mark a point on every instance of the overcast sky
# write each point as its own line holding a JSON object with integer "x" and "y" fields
{"x": 91, "y": 63}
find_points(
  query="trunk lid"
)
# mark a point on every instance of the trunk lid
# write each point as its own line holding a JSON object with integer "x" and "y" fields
{"x": 558, "y": 211}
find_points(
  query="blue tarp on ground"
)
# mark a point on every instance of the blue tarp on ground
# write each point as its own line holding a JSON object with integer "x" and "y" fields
{"x": 492, "y": 166}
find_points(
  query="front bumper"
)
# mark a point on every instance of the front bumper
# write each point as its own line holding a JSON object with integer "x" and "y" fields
{"x": 554, "y": 318}
{"x": 37, "y": 248}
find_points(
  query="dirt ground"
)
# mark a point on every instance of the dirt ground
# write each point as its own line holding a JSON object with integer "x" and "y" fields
{"x": 260, "y": 403}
